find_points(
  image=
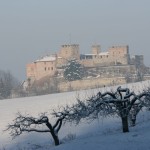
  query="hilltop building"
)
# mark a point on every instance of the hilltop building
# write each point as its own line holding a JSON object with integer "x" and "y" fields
{"x": 114, "y": 62}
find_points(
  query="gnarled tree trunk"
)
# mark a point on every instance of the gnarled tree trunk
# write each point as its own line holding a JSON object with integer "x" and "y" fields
{"x": 125, "y": 127}
{"x": 55, "y": 137}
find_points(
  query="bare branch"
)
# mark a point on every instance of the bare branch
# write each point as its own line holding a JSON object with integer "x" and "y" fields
{"x": 108, "y": 103}
{"x": 26, "y": 123}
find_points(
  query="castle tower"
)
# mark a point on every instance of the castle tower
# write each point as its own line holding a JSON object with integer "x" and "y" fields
{"x": 69, "y": 51}
{"x": 119, "y": 54}
{"x": 96, "y": 49}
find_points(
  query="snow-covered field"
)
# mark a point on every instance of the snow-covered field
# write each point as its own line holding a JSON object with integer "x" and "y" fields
{"x": 103, "y": 134}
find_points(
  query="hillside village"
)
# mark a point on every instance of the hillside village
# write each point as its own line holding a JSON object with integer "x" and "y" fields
{"x": 112, "y": 67}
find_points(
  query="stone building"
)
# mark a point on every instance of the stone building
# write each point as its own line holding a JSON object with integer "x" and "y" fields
{"x": 40, "y": 68}
{"x": 116, "y": 59}
{"x": 116, "y": 55}
{"x": 66, "y": 53}
{"x": 137, "y": 60}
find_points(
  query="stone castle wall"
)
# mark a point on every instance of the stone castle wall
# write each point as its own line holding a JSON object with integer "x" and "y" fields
{"x": 90, "y": 83}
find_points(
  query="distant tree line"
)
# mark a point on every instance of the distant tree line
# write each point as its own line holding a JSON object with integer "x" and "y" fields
{"x": 7, "y": 83}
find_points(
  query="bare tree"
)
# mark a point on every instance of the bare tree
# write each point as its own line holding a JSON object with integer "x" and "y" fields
{"x": 120, "y": 102}
{"x": 138, "y": 105}
{"x": 7, "y": 83}
{"x": 133, "y": 113}
{"x": 25, "y": 123}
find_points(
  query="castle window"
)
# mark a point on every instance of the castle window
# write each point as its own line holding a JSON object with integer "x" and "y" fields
{"x": 51, "y": 68}
{"x": 45, "y": 68}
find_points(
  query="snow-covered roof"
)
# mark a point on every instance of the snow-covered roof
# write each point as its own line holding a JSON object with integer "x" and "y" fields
{"x": 59, "y": 57}
{"x": 104, "y": 53}
{"x": 47, "y": 58}
{"x": 101, "y": 53}
{"x": 89, "y": 54}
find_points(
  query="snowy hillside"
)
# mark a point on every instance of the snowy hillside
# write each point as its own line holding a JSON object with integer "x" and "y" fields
{"x": 103, "y": 134}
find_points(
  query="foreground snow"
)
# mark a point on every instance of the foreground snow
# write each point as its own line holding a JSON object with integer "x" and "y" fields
{"x": 102, "y": 134}
{"x": 113, "y": 139}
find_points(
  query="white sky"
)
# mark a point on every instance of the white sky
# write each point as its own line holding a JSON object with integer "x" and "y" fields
{"x": 32, "y": 28}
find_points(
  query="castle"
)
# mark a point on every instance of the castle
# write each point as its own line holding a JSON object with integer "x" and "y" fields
{"x": 116, "y": 60}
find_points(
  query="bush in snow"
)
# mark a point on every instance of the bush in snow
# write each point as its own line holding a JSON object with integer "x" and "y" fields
{"x": 68, "y": 137}
{"x": 73, "y": 71}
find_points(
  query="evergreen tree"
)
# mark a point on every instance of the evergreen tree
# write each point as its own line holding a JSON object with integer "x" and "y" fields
{"x": 73, "y": 71}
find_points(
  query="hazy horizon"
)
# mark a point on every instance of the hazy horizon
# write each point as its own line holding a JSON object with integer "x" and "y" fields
{"x": 30, "y": 29}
